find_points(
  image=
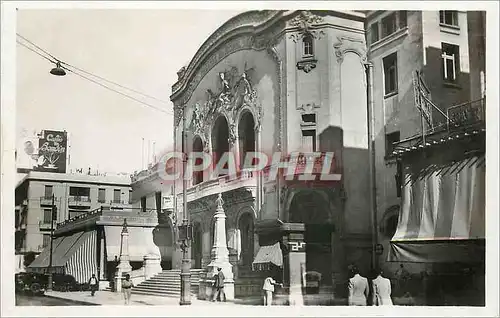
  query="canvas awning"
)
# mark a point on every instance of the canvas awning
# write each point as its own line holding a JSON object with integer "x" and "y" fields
{"x": 74, "y": 255}
{"x": 442, "y": 217}
{"x": 266, "y": 255}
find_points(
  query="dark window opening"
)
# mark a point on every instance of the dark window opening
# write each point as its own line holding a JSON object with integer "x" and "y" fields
{"x": 47, "y": 216}
{"x": 117, "y": 196}
{"x": 101, "y": 197}
{"x": 391, "y": 73}
{"x": 309, "y": 140}
{"x": 375, "y": 36}
{"x": 451, "y": 61}
{"x": 198, "y": 148}
{"x": 448, "y": 17}
{"x": 46, "y": 240}
{"x": 158, "y": 201}
{"x": 308, "y": 45}
{"x": 390, "y": 139}
{"x": 143, "y": 204}
{"x": 79, "y": 191}
{"x": 389, "y": 25}
{"x": 403, "y": 19}
{"x": 49, "y": 190}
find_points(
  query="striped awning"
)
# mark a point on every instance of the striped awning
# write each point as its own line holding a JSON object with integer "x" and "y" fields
{"x": 267, "y": 255}
{"x": 74, "y": 255}
{"x": 442, "y": 217}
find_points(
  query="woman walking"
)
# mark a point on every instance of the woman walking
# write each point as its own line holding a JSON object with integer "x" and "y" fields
{"x": 127, "y": 288}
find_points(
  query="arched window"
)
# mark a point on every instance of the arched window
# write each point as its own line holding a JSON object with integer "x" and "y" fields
{"x": 197, "y": 147}
{"x": 246, "y": 133}
{"x": 308, "y": 45}
{"x": 220, "y": 140}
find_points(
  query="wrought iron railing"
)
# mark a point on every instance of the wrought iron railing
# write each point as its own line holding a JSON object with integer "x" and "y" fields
{"x": 78, "y": 198}
{"x": 466, "y": 114}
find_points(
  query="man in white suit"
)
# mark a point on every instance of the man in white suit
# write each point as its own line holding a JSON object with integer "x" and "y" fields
{"x": 381, "y": 291}
{"x": 358, "y": 289}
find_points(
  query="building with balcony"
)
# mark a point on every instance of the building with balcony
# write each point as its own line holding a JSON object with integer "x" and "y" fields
{"x": 428, "y": 103}
{"x": 71, "y": 194}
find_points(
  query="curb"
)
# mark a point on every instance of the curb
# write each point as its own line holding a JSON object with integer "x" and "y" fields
{"x": 75, "y": 301}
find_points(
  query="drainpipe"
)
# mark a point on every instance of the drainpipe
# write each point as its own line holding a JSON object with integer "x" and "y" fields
{"x": 371, "y": 151}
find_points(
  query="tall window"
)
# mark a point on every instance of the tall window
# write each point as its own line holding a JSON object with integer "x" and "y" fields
{"x": 117, "y": 195}
{"x": 448, "y": 17}
{"x": 46, "y": 240}
{"x": 390, "y": 139}
{"x": 129, "y": 196}
{"x": 143, "y": 204}
{"x": 403, "y": 19}
{"x": 389, "y": 25}
{"x": 308, "y": 126}
{"x": 391, "y": 73}
{"x": 47, "y": 216}
{"x": 49, "y": 191}
{"x": 158, "y": 201}
{"x": 101, "y": 198}
{"x": 451, "y": 61}
{"x": 308, "y": 45}
{"x": 374, "y": 32}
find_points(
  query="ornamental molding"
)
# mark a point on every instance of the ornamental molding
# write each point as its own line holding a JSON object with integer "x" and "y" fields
{"x": 307, "y": 108}
{"x": 307, "y": 65}
{"x": 346, "y": 44}
{"x": 251, "y": 20}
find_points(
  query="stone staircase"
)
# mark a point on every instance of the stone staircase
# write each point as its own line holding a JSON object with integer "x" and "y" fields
{"x": 168, "y": 284}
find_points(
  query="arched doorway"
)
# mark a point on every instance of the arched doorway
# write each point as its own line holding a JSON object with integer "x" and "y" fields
{"x": 220, "y": 140}
{"x": 246, "y": 133}
{"x": 197, "y": 245}
{"x": 312, "y": 209}
{"x": 197, "y": 147}
{"x": 246, "y": 228}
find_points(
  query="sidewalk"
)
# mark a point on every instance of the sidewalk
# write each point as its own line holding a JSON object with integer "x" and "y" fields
{"x": 110, "y": 298}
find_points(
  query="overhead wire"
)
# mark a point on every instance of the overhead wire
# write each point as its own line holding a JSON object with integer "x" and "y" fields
{"x": 68, "y": 67}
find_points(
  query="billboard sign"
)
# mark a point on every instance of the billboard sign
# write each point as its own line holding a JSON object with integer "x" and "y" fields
{"x": 52, "y": 151}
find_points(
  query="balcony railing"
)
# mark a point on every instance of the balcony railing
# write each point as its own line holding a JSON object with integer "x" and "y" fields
{"x": 79, "y": 200}
{"x": 45, "y": 225}
{"x": 47, "y": 200}
{"x": 466, "y": 114}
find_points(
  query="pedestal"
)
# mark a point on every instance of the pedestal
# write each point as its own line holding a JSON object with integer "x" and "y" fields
{"x": 118, "y": 282}
{"x": 152, "y": 265}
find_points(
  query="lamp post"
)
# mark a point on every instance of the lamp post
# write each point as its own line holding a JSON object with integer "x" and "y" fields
{"x": 57, "y": 71}
{"x": 49, "y": 268}
{"x": 185, "y": 228}
{"x": 371, "y": 151}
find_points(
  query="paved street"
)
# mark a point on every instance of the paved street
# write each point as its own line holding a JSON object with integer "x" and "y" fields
{"x": 29, "y": 300}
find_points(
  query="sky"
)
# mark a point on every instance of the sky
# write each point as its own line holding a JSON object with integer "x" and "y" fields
{"x": 139, "y": 49}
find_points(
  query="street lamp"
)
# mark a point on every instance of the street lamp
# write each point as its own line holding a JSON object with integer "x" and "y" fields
{"x": 185, "y": 230}
{"x": 58, "y": 70}
{"x": 53, "y": 217}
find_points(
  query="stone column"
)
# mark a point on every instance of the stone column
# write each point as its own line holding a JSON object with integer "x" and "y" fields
{"x": 297, "y": 267}
{"x": 220, "y": 253}
{"x": 124, "y": 265}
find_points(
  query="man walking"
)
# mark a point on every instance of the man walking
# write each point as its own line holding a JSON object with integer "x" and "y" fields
{"x": 358, "y": 289}
{"x": 219, "y": 286}
{"x": 381, "y": 291}
{"x": 127, "y": 285}
{"x": 94, "y": 285}
{"x": 268, "y": 288}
